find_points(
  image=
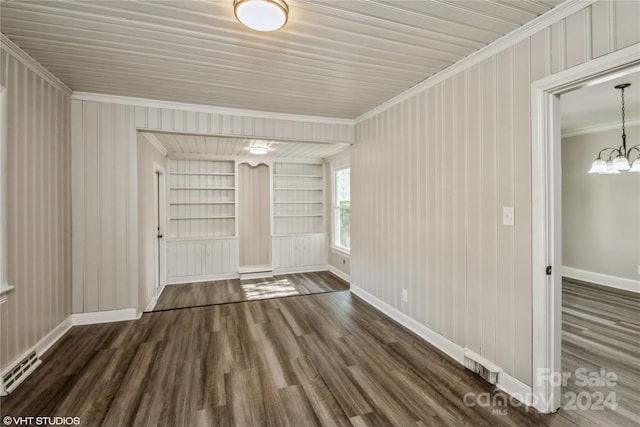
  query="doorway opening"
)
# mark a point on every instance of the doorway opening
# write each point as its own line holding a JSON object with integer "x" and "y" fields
{"x": 547, "y": 215}
{"x": 159, "y": 203}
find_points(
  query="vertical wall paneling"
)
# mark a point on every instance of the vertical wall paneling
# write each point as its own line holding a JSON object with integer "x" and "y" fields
{"x": 473, "y": 157}
{"x": 254, "y": 218}
{"x": 39, "y": 233}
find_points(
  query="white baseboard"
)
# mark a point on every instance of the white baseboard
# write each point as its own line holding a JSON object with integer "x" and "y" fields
{"x": 104, "y": 316}
{"x": 516, "y": 388}
{"x": 506, "y": 382}
{"x": 202, "y": 278}
{"x": 602, "y": 279}
{"x": 40, "y": 348}
{"x": 444, "y": 344}
{"x": 341, "y": 274}
{"x": 304, "y": 269}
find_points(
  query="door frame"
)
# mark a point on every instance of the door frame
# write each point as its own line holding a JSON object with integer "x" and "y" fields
{"x": 160, "y": 220}
{"x": 546, "y": 214}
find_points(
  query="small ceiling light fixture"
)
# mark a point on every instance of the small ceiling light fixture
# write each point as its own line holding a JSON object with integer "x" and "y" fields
{"x": 621, "y": 161}
{"x": 261, "y": 15}
{"x": 258, "y": 146}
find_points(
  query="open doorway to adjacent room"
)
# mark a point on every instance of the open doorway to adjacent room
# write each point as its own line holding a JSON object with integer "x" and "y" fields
{"x": 245, "y": 219}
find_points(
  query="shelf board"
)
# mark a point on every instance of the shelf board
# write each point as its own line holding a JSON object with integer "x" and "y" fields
{"x": 299, "y": 216}
{"x": 203, "y": 173}
{"x": 201, "y": 188}
{"x": 302, "y": 202}
{"x": 186, "y": 218}
{"x": 298, "y": 189}
{"x": 202, "y": 203}
{"x": 284, "y": 175}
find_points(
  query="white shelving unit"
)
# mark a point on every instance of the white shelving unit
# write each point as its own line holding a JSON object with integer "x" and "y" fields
{"x": 201, "y": 199}
{"x": 298, "y": 198}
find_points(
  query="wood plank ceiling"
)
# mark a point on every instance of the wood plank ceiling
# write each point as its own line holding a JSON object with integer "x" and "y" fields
{"x": 333, "y": 58}
{"x": 226, "y": 146}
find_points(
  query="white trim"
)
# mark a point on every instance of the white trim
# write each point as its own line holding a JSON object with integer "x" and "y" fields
{"x": 341, "y": 274}
{"x": 506, "y": 382}
{"x": 241, "y": 159}
{"x": 602, "y": 279}
{"x": 14, "y": 50}
{"x": 554, "y": 15}
{"x": 4, "y": 179}
{"x": 304, "y": 269}
{"x": 40, "y": 348}
{"x": 340, "y": 250}
{"x": 201, "y": 108}
{"x": 546, "y": 220}
{"x": 450, "y": 348}
{"x": 155, "y": 142}
{"x": 104, "y": 316}
{"x": 598, "y": 128}
{"x": 178, "y": 280}
{"x": 516, "y": 388}
{"x": 153, "y": 302}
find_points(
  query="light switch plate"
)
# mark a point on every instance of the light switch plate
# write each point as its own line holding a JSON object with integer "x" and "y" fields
{"x": 508, "y": 216}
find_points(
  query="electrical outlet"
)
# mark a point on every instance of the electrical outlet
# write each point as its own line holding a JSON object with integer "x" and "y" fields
{"x": 405, "y": 295}
{"x": 639, "y": 270}
{"x": 508, "y": 216}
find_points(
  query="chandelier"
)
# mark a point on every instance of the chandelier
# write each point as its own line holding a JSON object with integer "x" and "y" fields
{"x": 613, "y": 165}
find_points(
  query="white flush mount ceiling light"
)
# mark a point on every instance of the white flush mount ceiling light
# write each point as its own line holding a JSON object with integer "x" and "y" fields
{"x": 619, "y": 158}
{"x": 261, "y": 15}
{"x": 258, "y": 146}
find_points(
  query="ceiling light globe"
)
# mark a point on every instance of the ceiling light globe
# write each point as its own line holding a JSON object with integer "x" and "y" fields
{"x": 261, "y": 15}
{"x": 620, "y": 163}
{"x": 598, "y": 166}
{"x": 635, "y": 167}
{"x": 258, "y": 150}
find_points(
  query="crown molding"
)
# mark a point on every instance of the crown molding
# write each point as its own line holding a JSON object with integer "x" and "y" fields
{"x": 155, "y": 142}
{"x": 201, "y": 108}
{"x": 559, "y": 12}
{"x": 598, "y": 128}
{"x": 22, "y": 56}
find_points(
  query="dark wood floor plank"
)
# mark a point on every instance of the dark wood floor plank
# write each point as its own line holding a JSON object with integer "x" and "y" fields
{"x": 325, "y": 359}
{"x": 235, "y": 290}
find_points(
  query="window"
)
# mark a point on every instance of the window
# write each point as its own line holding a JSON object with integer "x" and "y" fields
{"x": 342, "y": 204}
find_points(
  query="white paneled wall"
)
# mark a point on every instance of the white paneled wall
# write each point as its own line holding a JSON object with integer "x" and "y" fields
{"x": 39, "y": 202}
{"x": 254, "y": 218}
{"x": 431, "y": 174}
{"x": 104, "y": 184}
{"x": 193, "y": 261}
{"x": 291, "y": 252}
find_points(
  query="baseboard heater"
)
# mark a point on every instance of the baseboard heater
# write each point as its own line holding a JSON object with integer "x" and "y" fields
{"x": 19, "y": 373}
{"x": 481, "y": 366}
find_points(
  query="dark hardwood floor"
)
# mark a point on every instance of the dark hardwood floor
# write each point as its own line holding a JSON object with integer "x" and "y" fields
{"x": 600, "y": 337}
{"x": 235, "y": 290}
{"x": 327, "y": 359}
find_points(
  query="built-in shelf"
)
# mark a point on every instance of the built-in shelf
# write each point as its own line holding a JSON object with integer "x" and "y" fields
{"x": 298, "y": 206}
{"x": 281, "y": 175}
{"x": 298, "y": 216}
{"x": 202, "y": 173}
{"x": 201, "y": 199}
{"x": 202, "y": 188}
{"x": 303, "y": 202}
{"x": 202, "y": 203}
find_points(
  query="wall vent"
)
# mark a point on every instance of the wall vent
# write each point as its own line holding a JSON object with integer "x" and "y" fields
{"x": 481, "y": 366}
{"x": 19, "y": 373}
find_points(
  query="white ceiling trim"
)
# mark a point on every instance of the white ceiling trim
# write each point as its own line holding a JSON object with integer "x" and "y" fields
{"x": 190, "y": 156}
{"x": 554, "y": 15}
{"x": 598, "y": 128}
{"x": 22, "y": 56}
{"x": 155, "y": 142}
{"x": 200, "y": 108}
